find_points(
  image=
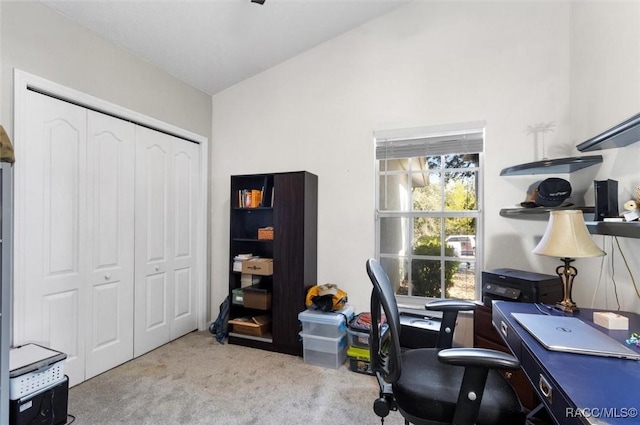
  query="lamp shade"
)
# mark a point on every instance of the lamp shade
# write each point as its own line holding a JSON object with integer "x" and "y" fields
{"x": 567, "y": 236}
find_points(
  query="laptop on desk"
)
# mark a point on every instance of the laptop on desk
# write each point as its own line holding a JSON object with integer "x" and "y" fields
{"x": 572, "y": 335}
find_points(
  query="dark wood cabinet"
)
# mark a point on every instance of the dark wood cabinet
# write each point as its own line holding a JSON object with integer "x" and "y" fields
{"x": 288, "y": 204}
{"x": 486, "y": 336}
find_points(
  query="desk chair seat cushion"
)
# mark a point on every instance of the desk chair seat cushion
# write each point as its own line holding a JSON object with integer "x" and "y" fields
{"x": 431, "y": 391}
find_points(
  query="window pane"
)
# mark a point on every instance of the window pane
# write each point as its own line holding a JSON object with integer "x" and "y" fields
{"x": 461, "y": 192}
{"x": 426, "y": 236}
{"x": 394, "y": 192}
{"x": 426, "y": 194}
{"x": 392, "y": 235}
{"x": 396, "y": 269}
{"x": 461, "y": 235}
{"x": 463, "y": 280}
{"x": 396, "y": 164}
{"x": 425, "y": 278}
{"x": 462, "y": 160}
{"x": 434, "y": 162}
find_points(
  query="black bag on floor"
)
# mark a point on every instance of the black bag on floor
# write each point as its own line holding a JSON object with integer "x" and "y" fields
{"x": 220, "y": 328}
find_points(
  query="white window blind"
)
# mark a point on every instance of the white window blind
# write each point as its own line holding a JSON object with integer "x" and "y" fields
{"x": 429, "y": 141}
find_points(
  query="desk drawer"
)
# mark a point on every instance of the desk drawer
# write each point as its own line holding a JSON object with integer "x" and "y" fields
{"x": 547, "y": 390}
{"x": 507, "y": 333}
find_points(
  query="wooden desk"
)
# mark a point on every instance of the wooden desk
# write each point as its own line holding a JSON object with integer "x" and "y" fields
{"x": 486, "y": 336}
{"x": 575, "y": 388}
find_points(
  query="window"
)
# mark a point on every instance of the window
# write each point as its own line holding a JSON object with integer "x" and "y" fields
{"x": 428, "y": 221}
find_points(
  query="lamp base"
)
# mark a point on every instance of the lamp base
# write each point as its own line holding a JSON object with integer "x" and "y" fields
{"x": 567, "y": 272}
{"x": 567, "y": 307}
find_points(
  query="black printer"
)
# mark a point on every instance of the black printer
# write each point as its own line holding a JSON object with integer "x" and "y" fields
{"x": 519, "y": 285}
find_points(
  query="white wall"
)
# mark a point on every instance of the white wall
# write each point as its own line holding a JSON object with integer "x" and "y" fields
{"x": 47, "y": 44}
{"x": 605, "y": 90}
{"x": 42, "y": 42}
{"x": 428, "y": 63}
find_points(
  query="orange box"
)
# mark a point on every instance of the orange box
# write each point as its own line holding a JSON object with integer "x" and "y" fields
{"x": 265, "y": 233}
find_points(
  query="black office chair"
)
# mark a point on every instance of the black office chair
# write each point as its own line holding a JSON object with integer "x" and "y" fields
{"x": 436, "y": 386}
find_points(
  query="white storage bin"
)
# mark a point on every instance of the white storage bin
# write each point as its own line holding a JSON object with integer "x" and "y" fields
{"x": 326, "y": 352}
{"x": 330, "y": 325}
{"x": 33, "y": 367}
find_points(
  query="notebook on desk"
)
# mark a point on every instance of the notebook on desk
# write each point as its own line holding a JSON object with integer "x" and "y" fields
{"x": 572, "y": 335}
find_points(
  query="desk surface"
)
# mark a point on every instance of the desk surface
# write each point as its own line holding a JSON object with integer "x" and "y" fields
{"x": 607, "y": 389}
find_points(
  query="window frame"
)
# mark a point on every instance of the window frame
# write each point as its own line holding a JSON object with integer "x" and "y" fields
{"x": 428, "y": 135}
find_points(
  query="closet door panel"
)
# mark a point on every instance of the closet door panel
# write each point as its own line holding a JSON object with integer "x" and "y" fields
{"x": 50, "y": 266}
{"x": 153, "y": 240}
{"x": 110, "y": 199}
{"x": 186, "y": 170}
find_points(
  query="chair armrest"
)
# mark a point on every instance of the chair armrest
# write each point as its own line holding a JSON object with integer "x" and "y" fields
{"x": 478, "y": 357}
{"x": 449, "y": 309}
{"x": 446, "y": 304}
{"x": 476, "y": 362}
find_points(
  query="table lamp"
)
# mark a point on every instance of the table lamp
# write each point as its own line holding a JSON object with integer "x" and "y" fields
{"x": 567, "y": 238}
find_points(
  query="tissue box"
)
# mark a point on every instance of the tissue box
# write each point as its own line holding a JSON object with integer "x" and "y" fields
{"x": 610, "y": 320}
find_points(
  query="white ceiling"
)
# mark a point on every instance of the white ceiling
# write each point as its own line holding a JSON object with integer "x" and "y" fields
{"x": 214, "y": 44}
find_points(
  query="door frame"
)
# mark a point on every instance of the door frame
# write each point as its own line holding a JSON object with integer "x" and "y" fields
{"x": 23, "y": 82}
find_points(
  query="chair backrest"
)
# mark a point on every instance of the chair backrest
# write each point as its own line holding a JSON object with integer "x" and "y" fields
{"x": 384, "y": 342}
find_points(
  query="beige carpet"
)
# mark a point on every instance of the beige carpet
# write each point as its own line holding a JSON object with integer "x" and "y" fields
{"x": 195, "y": 380}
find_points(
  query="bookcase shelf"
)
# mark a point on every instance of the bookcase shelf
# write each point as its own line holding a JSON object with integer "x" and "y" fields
{"x": 292, "y": 200}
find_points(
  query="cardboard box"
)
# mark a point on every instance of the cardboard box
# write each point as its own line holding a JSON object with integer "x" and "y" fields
{"x": 254, "y": 326}
{"x": 261, "y": 266}
{"x": 265, "y": 233}
{"x": 256, "y": 297}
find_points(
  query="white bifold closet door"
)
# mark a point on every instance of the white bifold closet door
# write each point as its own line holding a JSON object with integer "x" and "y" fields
{"x": 167, "y": 179}
{"x": 110, "y": 233}
{"x": 105, "y": 254}
{"x": 76, "y": 252}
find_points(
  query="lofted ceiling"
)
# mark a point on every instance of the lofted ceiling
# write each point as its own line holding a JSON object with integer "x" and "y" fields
{"x": 214, "y": 44}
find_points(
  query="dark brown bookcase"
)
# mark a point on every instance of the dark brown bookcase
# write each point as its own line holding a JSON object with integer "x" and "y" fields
{"x": 289, "y": 205}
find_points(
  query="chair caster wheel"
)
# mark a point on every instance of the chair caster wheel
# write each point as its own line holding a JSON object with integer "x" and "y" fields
{"x": 381, "y": 407}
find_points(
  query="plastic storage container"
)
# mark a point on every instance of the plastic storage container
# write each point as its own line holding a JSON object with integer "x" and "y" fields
{"x": 358, "y": 339}
{"x": 32, "y": 368}
{"x": 360, "y": 360}
{"x": 237, "y": 296}
{"x": 329, "y": 325}
{"x": 326, "y": 352}
{"x": 359, "y": 328}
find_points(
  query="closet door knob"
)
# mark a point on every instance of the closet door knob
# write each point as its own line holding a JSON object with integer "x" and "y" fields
{"x": 157, "y": 267}
{"x": 107, "y": 276}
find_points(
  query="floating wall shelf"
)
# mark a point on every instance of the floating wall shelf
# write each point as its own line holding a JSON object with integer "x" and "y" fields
{"x": 553, "y": 166}
{"x": 624, "y": 229}
{"x": 620, "y": 135}
{"x": 538, "y": 213}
